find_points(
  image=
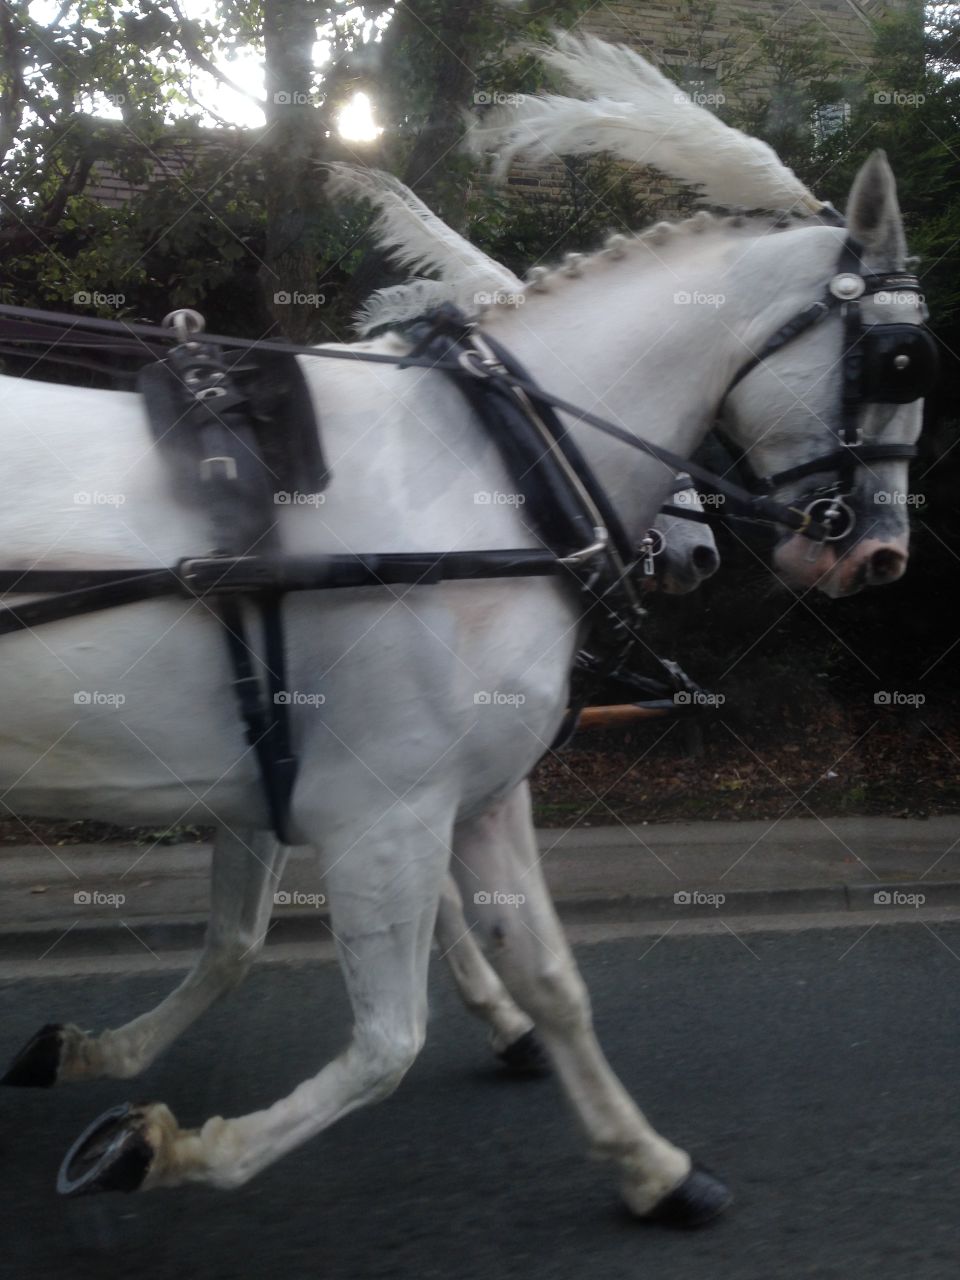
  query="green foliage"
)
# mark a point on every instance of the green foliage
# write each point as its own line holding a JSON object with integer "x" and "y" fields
{"x": 595, "y": 196}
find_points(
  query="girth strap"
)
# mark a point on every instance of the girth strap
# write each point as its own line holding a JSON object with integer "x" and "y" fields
{"x": 266, "y": 724}
{"x": 234, "y": 479}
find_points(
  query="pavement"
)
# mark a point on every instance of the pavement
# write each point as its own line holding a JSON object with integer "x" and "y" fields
{"x": 72, "y": 902}
{"x": 815, "y": 1071}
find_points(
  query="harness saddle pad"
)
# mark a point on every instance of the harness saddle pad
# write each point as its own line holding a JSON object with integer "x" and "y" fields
{"x": 275, "y": 405}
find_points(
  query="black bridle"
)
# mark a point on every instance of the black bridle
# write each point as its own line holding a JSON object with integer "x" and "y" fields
{"x": 886, "y": 362}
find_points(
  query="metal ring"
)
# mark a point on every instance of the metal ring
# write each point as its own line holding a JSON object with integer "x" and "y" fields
{"x": 655, "y": 536}
{"x": 834, "y": 507}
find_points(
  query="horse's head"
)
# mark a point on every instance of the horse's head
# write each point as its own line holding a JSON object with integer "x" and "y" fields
{"x": 687, "y": 552}
{"x": 828, "y": 416}
{"x": 823, "y": 396}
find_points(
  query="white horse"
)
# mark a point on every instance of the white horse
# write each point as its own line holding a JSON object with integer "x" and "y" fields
{"x": 404, "y": 775}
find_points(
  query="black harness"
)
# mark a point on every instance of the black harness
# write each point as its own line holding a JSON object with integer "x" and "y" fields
{"x": 584, "y": 539}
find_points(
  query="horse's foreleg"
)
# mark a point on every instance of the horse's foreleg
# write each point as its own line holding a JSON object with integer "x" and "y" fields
{"x": 511, "y": 1030}
{"x": 383, "y": 882}
{"x": 245, "y": 873}
{"x": 518, "y": 927}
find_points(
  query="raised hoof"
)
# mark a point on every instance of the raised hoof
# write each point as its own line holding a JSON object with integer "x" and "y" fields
{"x": 525, "y": 1057}
{"x": 110, "y": 1155}
{"x": 698, "y": 1199}
{"x": 37, "y": 1063}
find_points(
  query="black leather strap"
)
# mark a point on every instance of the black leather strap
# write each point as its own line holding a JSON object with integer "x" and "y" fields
{"x": 841, "y": 461}
{"x": 800, "y": 323}
{"x": 96, "y": 595}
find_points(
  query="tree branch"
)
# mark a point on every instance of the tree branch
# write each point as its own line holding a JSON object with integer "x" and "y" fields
{"x": 199, "y": 59}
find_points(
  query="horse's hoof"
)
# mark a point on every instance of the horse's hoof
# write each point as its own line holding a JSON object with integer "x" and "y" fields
{"x": 698, "y": 1199}
{"x": 37, "y": 1063}
{"x": 525, "y": 1057}
{"x": 110, "y": 1155}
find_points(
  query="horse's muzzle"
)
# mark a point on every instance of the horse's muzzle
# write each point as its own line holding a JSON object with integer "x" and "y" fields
{"x": 872, "y": 562}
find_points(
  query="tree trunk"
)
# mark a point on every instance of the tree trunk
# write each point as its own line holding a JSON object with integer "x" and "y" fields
{"x": 292, "y": 144}
{"x": 446, "y": 50}
{"x": 453, "y": 58}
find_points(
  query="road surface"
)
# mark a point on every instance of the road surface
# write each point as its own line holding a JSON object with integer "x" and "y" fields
{"x": 817, "y": 1070}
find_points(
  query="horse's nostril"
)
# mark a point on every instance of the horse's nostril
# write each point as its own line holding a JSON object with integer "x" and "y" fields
{"x": 887, "y": 563}
{"x": 705, "y": 560}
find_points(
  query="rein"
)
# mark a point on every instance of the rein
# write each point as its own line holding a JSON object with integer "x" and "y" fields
{"x": 143, "y": 340}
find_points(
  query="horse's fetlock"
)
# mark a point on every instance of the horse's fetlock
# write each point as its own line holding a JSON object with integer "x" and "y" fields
{"x": 232, "y": 959}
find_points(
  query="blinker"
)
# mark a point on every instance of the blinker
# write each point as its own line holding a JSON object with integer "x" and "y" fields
{"x": 900, "y": 363}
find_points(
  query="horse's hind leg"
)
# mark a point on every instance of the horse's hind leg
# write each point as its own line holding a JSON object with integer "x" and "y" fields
{"x": 383, "y": 882}
{"x": 244, "y": 875}
{"x": 511, "y": 1031}
{"x": 517, "y": 924}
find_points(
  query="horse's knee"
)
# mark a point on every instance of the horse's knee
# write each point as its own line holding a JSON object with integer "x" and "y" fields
{"x": 385, "y": 1057}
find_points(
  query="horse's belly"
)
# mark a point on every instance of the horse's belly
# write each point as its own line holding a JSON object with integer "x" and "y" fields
{"x": 128, "y": 716}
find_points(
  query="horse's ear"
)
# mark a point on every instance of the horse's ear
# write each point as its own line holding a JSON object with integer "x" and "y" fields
{"x": 873, "y": 214}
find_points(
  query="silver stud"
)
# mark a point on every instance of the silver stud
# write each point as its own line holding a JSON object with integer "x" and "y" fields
{"x": 847, "y": 286}
{"x": 901, "y": 362}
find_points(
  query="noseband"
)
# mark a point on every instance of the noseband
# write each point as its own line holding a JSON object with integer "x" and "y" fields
{"x": 882, "y": 363}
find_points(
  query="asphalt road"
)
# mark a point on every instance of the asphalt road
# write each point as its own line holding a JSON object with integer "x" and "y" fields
{"x": 823, "y": 1085}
